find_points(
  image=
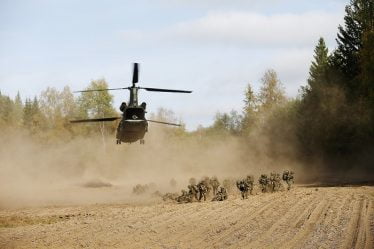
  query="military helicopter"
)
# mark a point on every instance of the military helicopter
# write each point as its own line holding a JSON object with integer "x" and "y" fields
{"x": 133, "y": 124}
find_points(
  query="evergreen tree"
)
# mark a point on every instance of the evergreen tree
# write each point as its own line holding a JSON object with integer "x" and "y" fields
{"x": 27, "y": 114}
{"x": 250, "y": 109}
{"x": 319, "y": 67}
{"x": 6, "y": 108}
{"x": 359, "y": 19}
{"x": 17, "y": 110}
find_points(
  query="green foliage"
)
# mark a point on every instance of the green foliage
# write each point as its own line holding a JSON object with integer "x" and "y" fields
{"x": 319, "y": 67}
{"x": 96, "y": 104}
{"x": 6, "y": 108}
{"x": 250, "y": 109}
{"x": 33, "y": 119}
{"x": 358, "y": 21}
{"x": 230, "y": 123}
{"x": 17, "y": 112}
{"x": 271, "y": 92}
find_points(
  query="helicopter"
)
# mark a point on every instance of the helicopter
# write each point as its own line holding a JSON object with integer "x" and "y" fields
{"x": 133, "y": 124}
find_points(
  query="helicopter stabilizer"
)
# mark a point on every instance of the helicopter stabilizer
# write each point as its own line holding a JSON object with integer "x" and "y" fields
{"x": 161, "y": 122}
{"x": 94, "y": 120}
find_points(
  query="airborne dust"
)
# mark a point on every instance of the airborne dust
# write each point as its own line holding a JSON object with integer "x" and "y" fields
{"x": 86, "y": 171}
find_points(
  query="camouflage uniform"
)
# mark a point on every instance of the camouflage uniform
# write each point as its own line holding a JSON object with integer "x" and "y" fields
{"x": 249, "y": 180}
{"x": 243, "y": 187}
{"x": 203, "y": 190}
{"x": 193, "y": 191}
{"x": 206, "y": 182}
{"x": 277, "y": 182}
{"x": 288, "y": 178}
{"x": 264, "y": 182}
{"x": 185, "y": 197}
{"x": 274, "y": 182}
{"x": 221, "y": 195}
{"x": 215, "y": 184}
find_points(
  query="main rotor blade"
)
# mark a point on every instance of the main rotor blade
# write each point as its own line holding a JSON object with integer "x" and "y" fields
{"x": 160, "y": 122}
{"x": 99, "y": 90}
{"x": 135, "y": 74}
{"x": 94, "y": 120}
{"x": 164, "y": 90}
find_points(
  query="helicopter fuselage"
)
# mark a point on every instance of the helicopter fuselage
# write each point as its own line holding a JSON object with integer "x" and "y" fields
{"x": 132, "y": 126}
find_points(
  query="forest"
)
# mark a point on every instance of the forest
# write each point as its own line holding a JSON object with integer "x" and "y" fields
{"x": 329, "y": 123}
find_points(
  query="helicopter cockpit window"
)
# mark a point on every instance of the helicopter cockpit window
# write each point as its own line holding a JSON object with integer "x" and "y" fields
{"x": 134, "y": 113}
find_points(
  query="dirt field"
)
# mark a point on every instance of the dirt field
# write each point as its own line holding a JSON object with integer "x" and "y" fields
{"x": 305, "y": 217}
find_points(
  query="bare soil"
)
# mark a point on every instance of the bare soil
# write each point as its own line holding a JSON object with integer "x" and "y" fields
{"x": 305, "y": 217}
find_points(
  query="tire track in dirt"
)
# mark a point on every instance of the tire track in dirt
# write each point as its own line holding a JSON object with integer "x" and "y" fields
{"x": 359, "y": 234}
{"x": 290, "y": 228}
{"x": 326, "y": 231}
{"x": 282, "y": 221}
{"x": 226, "y": 238}
{"x": 334, "y": 219}
{"x": 313, "y": 219}
{"x": 268, "y": 220}
{"x": 205, "y": 218}
{"x": 177, "y": 225}
{"x": 352, "y": 231}
{"x": 369, "y": 225}
{"x": 161, "y": 220}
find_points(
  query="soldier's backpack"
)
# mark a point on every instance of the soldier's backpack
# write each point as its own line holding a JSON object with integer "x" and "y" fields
{"x": 285, "y": 176}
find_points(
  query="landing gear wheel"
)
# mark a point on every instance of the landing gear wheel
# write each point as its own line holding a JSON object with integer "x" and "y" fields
{"x": 142, "y": 141}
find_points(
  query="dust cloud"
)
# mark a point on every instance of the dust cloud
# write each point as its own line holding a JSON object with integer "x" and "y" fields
{"x": 86, "y": 171}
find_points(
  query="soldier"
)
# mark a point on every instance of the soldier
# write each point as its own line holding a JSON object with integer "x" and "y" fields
{"x": 203, "y": 190}
{"x": 277, "y": 182}
{"x": 215, "y": 184}
{"x": 243, "y": 188}
{"x": 208, "y": 187}
{"x": 221, "y": 195}
{"x": 272, "y": 182}
{"x": 250, "y": 182}
{"x": 193, "y": 191}
{"x": 185, "y": 197}
{"x": 264, "y": 182}
{"x": 288, "y": 178}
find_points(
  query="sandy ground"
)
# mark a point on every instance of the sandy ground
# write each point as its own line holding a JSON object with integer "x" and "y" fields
{"x": 305, "y": 217}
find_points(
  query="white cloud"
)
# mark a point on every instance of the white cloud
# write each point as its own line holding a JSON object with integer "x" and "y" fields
{"x": 253, "y": 29}
{"x": 243, "y": 29}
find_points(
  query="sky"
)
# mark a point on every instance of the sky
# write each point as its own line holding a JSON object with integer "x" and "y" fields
{"x": 212, "y": 47}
